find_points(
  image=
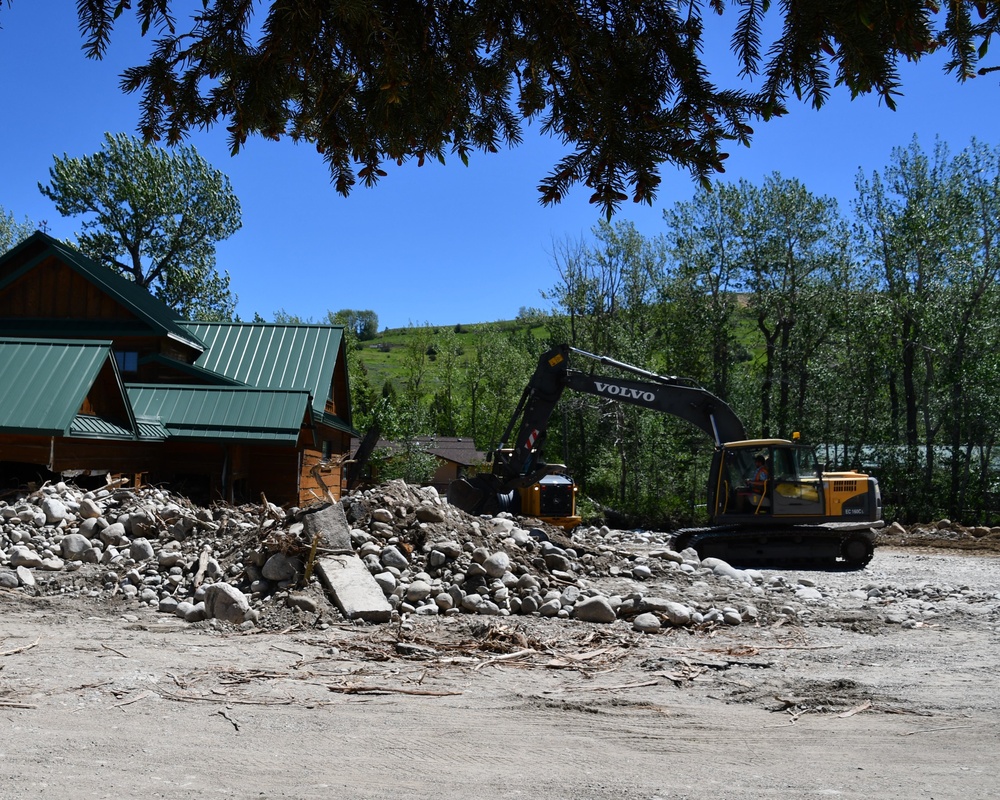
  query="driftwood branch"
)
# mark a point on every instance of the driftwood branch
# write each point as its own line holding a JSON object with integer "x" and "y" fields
{"x": 387, "y": 690}
{"x": 21, "y": 649}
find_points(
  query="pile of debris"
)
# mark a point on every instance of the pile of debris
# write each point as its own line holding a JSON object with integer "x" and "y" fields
{"x": 942, "y": 533}
{"x": 262, "y": 565}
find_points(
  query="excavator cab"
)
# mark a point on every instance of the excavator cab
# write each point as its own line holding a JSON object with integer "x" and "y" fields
{"x": 771, "y": 480}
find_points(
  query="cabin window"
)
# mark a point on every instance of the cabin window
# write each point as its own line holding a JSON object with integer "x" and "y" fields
{"x": 326, "y": 449}
{"x": 128, "y": 360}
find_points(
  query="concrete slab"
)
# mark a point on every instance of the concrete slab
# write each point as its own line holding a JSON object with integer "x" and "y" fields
{"x": 331, "y": 523}
{"x": 352, "y": 588}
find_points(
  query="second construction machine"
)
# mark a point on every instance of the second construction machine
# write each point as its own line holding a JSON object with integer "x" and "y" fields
{"x": 770, "y": 502}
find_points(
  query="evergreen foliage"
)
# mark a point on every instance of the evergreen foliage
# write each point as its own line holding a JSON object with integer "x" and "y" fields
{"x": 624, "y": 84}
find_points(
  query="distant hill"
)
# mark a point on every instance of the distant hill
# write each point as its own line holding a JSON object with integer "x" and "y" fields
{"x": 385, "y": 357}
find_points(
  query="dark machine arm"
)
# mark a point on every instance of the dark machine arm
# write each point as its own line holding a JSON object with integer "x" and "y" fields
{"x": 679, "y": 397}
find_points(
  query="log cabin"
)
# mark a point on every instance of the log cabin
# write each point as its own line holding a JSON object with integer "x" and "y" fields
{"x": 98, "y": 377}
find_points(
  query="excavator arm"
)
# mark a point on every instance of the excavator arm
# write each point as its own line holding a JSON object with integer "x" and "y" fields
{"x": 668, "y": 395}
{"x": 519, "y": 464}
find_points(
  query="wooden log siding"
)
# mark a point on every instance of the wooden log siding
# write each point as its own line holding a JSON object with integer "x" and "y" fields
{"x": 55, "y": 291}
{"x": 59, "y": 454}
{"x": 339, "y": 388}
{"x": 332, "y": 471}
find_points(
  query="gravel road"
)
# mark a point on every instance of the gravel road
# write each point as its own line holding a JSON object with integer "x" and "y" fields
{"x": 881, "y": 688}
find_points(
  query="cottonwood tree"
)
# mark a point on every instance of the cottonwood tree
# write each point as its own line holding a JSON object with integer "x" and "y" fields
{"x": 931, "y": 224}
{"x": 790, "y": 243}
{"x": 12, "y": 231}
{"x": 362, "y": 324}
{"x": 155, "y": 216}
{"x": 623, "y": 84}
{"x": 702, "y": 286}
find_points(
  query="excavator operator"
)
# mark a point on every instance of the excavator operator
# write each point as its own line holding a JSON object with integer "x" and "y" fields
{"x": 759, "y": 476}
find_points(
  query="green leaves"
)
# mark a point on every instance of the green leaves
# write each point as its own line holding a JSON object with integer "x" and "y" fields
{"x": 155, "y": 216}
{"x": 12, "y": 231}
{"x": 623, "y": 84}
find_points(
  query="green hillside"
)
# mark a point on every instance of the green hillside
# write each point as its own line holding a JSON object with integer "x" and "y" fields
{"x": 386, "y": 356}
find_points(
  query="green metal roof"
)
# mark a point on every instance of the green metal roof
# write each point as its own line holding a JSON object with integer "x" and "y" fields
{"x": 335, "y": 422}
{"x": 191, "y": 370}
{"x": 272, "y": 356}
{"x": 223, "y": 412}
{"x": 140, "y": 302}
{"x": 84, "y": 425}
{"x": 152, "y": 429}
{"x": 44, "y": 383}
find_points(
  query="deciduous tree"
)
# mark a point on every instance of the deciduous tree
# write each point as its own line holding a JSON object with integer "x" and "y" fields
{"x": 155, "y": 216}
{"x": 12, "y": 231}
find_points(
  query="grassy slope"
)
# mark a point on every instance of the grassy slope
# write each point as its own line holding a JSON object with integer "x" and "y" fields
{"x": 385, "y": 356}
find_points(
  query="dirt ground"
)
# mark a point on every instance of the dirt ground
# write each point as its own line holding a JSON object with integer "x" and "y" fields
{"x": 111, "y": 702}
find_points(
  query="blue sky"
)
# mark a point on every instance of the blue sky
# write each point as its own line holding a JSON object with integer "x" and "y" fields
{"x": 438, "y": 244}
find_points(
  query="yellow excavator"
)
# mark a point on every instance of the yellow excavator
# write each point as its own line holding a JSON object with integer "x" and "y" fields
{"x": 770, "y": 502}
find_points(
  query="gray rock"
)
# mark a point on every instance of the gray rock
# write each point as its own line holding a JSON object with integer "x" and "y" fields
{"x": 115, "y": 535}
{"x": 497, "y": 564}
{"x": 224, "y": 601}
{"x": 303, "y": 602}
{"x": 444, "y": 601}
{"x": 142, "y": 523}
{"x": 557, "y": 562}
{"x": 168, "y": 605}
{"x": 429, "y": 513}
{"x": 570, "y": 595}
{"x": 667, "y": 555}
{"x": 54, "y": 510}
{"x": 529, "y": 604}
{"x": 677, "y": 613}
{"x": 595, "y": 609}
{"x": 89, "y": 509}
{"x": 140, "y": 550}
{"x": 731, "y": 616}
{"x": 92, "y": 527}
{"x": 9, "y": 579}
{"x": 391, "y": 556}
{"x": 646, "y": 623}
{"x": 280, "y": 567}
{"x": 451, "y": 549}
{"x": 25, "y": 576}
{"x": 330, "y": 524}
{"x": 470, "y": 601}
{"x": 386, "y": 580}
{"x": 170, "y": 558}
{"x": 417, "y": 591}
{"x": 74, "y": 546}
{"x": 21, "y": 556}
{"x": 487, "y": 608}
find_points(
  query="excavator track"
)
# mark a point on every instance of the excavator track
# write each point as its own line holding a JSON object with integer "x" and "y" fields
{"x": 825, "y": 547}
